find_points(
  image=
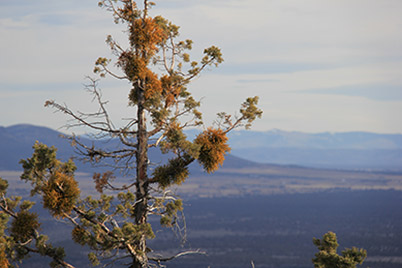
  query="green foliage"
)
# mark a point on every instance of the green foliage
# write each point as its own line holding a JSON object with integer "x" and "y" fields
{"x": 57, "y": 254}
{"x": 327, "y": 256}
{"x": 3, "y": 186}
{"x": 24, "y": 225}
{"x": 250, "y": 111}
{"x": 167, "y": 27}
{"x": 13, "y": 202}
{"x": 93, "y": 259}
{"x": 134, "y": 232}
{"x": 36, "y": 167}
{"x": 174, "y": 140}
{"x": 3, "y": 222}
{"x": 3, "y": 241}
{"x": 174, "y": 172}
{"x": 328, "y": 243}
{"x": 169, "y": 215}
{"x": 43, "y": 163}
{"x": 126, "y": 204}
{"x": 80, "y": 235}
{"x": 51, "y": 178}
{"x": 106, "y": 200}
{"x": 41, "y": 244}
{"x": 26, "y": 205}
{"x": 212, "y": 54}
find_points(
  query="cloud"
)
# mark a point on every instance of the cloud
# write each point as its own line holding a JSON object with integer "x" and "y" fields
{"x": 232, "y": 68}
{"x": 372, "y": 92}
{"x": 248, "y": 81}
{"x": 334, "y": 53}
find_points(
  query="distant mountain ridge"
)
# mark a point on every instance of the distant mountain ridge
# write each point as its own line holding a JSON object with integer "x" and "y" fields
{"x": 16, "y": 143}
{"x": 326, "y": 140}
{"x": 349, "y": 150}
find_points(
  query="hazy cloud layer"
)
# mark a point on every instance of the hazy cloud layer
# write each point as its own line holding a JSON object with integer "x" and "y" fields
{"x": 316, "y": 65}
{"x": 373, "y": 92}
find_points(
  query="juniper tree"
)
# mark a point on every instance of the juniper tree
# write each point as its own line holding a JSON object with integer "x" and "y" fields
{"x": 158, "y": 69}
{"x": 327, "y": 257}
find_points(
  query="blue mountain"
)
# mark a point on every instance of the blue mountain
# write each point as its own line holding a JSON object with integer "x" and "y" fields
{"x": 16, "y": 143}
{"x": 348, "y": 150}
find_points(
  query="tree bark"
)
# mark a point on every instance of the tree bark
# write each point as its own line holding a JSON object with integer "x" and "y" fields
{"x": 141, "y": 206}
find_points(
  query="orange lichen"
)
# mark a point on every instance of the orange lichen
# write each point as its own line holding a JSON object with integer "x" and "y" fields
{"x": 60, "y": 194}
{"x": 3, "y": 260}
{"x": 145, "y": 35}
{"x": 213, "y": 147}
{"x": 102, "y": 180}
{"x": 171, "y": 90}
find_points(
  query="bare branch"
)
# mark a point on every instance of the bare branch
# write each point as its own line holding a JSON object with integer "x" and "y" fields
{"x": 163, "y": 259}
{"x": 173, "y": 53}
{"x": 82, "y": 122}
{"x": 165, "y": 63}
{"x": 115, "y": 75}
{"x": 110, "y": 6}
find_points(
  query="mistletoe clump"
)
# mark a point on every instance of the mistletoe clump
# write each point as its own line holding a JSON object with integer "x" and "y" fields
{"x": 213, "y": 147}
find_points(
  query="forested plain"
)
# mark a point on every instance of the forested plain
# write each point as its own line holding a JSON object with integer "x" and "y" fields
{"x": 270, "y": 228}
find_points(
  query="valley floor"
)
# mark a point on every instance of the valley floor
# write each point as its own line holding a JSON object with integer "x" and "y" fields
{"x": 269, "y": 217}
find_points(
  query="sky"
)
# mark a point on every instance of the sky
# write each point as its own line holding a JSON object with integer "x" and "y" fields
{"x": 317, "y": 66}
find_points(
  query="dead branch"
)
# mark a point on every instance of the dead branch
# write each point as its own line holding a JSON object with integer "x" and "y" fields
{"x": 163, "y": 259}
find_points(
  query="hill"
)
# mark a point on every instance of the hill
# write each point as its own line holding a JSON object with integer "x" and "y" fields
{"x": 350, "y": 150}
{"x": 238, "y": 177}
{"x": 16, "y": 143}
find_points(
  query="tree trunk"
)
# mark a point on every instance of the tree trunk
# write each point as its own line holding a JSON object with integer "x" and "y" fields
{"x": 141, "y": 207}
